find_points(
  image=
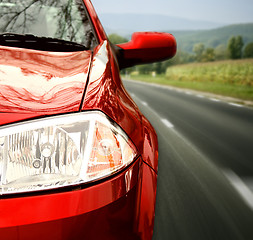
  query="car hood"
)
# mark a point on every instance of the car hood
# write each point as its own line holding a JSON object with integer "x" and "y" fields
{"x": 41, "y": 83}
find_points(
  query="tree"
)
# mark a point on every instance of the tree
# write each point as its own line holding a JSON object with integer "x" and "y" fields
{"x": 248, "y": 51}
{"x": 116, "y": 39}
{"x": 198, "y": 49}
{"x": 203, "y": 54}
{"x": 158, "y": 68}
{"x": 220, "y": 52}
{"x": 180, "y": 58}
{"x": 145, "y": 69}
{"x": 235, "y": 45}
{"x": 208, "y": 55}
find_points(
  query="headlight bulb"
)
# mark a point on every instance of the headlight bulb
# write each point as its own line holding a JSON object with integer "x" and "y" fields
{"x": 47, "y": 150}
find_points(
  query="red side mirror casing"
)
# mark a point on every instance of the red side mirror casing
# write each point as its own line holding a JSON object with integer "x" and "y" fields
{"x": 146, "y": 47}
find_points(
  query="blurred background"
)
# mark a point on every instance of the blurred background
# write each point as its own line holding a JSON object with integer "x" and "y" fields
{"x": 206, "y": 32}
{"x": 200, "y": 104}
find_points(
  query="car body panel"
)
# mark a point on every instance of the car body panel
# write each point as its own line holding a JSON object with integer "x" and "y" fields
{"x": 37, "y": 81}
{"x": 120, "y": 207}
{"x": 48, "y": 207}
{"x": 8, "y": 118}
{"x": 106, "y": 93}
{"x": 41, "y": 84}
{"x": 102, "y": 211}
{"x": 99, "y": 30}
{"x": 147, "y": 205}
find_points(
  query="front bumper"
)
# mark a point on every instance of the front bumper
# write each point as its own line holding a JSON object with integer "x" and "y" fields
{"x": 109, "y": 209}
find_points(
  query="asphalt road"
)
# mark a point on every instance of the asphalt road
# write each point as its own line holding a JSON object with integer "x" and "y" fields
{"x": 205, "y": 174}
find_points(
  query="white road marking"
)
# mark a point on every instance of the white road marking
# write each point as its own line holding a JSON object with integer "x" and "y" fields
{"x": 214, "y": 99}
{"x": 144, "y": 103}
{"x": 178, "y": 90}
{"x": 167, "y": 123}
{"x": 240, "y": 186}
{"x": 189, "y": 93}
{"x": 235, "y": 104}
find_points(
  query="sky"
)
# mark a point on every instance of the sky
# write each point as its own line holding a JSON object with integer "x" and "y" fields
{"x": 219, "y": 11}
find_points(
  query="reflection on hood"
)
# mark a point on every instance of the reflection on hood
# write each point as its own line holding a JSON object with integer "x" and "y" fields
{"x": 36, "y": 81}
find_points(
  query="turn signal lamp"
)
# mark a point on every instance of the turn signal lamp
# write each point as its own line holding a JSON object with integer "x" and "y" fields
{"x": 61, "y": 151}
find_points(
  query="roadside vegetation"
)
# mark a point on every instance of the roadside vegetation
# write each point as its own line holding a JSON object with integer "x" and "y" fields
{"x": 228, "y": 78}
{"x": 225, "y": 70}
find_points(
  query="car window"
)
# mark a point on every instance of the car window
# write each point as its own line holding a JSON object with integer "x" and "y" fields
{"x": 61, "y": 19}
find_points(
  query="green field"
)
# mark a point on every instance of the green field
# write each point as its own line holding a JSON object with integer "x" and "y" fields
{"x": 232, "y": 78}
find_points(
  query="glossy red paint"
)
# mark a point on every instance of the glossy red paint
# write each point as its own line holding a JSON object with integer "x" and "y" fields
{"x": 150, "y": 145}
{"x": 35, "y": 81}
{"x": 147, "y": 145}
{"x": 146, "y": 47}
{"x": 105, "y": 92}
{"x": 102, "y": 211}
{"x": 6, "y": 118}
{"x": 41, "y": 83}
{"x": 48, "y": 207}
{"x": 148, "y": 199}
{"x": 114, "y": 221}
{"x": 96, "y": 22}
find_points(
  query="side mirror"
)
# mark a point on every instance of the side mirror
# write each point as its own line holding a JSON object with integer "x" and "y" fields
{"x": 146, "y": 47}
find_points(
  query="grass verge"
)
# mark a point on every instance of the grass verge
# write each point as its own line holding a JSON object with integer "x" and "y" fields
{"x": 227, "y": 78}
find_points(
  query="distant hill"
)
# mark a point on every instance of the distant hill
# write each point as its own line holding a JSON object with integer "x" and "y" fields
{"x": 125, "y": 24}
{"x": 214, "y": 37}
{"x": 187, "y": 32}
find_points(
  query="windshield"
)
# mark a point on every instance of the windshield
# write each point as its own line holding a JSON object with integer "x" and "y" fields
{"x": 61, "y": 19}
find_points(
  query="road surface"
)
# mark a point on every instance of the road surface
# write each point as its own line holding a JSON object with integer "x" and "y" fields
{"x": 205, "y": 174}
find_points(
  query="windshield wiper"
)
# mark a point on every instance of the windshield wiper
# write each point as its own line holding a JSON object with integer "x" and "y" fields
{"x": 39, "y": 43}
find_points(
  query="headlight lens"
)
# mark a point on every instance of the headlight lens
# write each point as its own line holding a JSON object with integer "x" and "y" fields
{"x": 61, "y": 151}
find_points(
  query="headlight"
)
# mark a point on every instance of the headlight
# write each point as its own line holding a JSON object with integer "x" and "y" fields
{"x": 61, "y": 151}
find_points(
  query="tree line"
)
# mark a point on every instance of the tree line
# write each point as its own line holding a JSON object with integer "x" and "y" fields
{"x": 235, "y": 49}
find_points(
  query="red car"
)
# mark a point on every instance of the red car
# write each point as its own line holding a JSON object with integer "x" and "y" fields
{"x": 78, "y": 160}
